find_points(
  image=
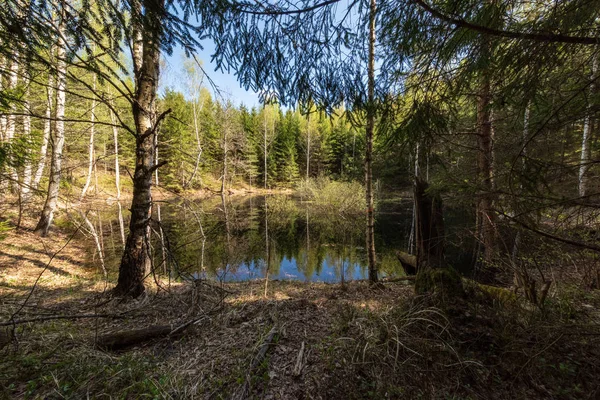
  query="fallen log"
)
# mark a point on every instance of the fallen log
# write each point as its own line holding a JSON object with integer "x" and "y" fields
{"x": 408, "y": 262}
{"x": 123, "y": 339}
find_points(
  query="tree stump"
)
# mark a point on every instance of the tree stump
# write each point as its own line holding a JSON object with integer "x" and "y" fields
{"x": 434, "y": 275}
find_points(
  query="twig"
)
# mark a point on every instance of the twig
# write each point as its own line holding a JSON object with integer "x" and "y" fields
{"x": 54, "y": 317}
{"x": 299, "y": 361}
{"x": 399, "y": 279}
{"x": 258, "y": 359}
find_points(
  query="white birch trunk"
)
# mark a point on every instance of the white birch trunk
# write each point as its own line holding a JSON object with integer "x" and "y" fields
{"x": 116, "y": 142}
{"x": 3, "y": 63}
{"x": 91, "y": 161}
{"x": 26, "y": 187}
{"x": 47, "y": 129}
{"x": 99, "y": 246}
{"x": 198, "y": 144}
{"x": 11, "y": 119}
{"x": 588, "y": 127}
{"x": 59, "y": 134}
{"x": 121, "y": 223}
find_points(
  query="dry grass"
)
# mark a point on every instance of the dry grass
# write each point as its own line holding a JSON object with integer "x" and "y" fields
{"x": 359, "y": 343}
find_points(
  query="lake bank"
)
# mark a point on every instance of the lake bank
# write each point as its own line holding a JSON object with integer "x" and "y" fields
{"x": 358, "y": 342}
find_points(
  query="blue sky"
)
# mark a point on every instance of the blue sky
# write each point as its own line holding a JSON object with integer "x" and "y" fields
{"x": 172, "y": 76}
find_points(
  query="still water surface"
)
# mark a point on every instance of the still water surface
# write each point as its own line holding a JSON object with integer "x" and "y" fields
{"x": 241, "y": 238}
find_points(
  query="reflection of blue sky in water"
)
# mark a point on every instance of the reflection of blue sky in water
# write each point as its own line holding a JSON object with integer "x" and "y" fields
{"x": 302, "y": 245}
{"x": 288, "y": 270}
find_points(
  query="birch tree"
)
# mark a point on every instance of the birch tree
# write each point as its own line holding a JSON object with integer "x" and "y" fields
{"x": 46, "y": 132}
{"x": 58, "y": 138}
{"x": 91, "y": 148}
{"x": 195, "y": 77}
{"x": 589, "y": 125}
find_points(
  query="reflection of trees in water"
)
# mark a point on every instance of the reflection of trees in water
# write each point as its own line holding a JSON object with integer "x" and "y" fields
{"x": 240, "y": 238}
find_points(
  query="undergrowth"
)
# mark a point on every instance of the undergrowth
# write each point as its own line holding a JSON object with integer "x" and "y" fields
{"x": 56, "y": 371}
{"x": 474, "y": 349}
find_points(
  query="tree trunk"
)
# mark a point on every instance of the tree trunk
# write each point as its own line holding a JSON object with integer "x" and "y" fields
{"x": 265, "y": 146}
{"x": 47, "y": 130}
{"x": 308, "y": 145}
{"x": 91, "y": 161}
{"x": 369, "y": 149}
{"x": 116, "y": 142}
{"x": 267, "y": 247}
{"x": 58, "y": 140}
{"x": 515, "y": 250}
{"x": 225, "y": 138}
{"x": 485, "y": 213}
{"x": 433, "y": 274}
{"x": 96, "y": 237}
{"x": 198, "y": 144}
{"x": 11, "y": 119}
{"x": 3, "y": 63}
{"x": 26, "y": 187}
{"x": 588, "y": 132}
{"x": 163, "y": 247}
{"x": 136, "y": 261}
{"x": 429, "y": 228}
{"x": 121, "y": 223}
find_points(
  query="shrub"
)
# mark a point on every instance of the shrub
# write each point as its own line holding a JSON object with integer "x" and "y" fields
{"x": 334, "y": 196}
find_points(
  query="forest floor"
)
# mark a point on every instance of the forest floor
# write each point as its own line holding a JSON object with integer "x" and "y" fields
{"x": 300, "y": 340}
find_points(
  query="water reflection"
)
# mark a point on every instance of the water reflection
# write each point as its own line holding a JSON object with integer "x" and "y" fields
{"x": 274, "y": 237}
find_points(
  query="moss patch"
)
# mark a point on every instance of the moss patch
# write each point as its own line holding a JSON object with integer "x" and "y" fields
{"x": 445, "y": 281}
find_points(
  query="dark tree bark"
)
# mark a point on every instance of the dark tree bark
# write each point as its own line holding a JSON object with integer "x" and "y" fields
{"x": 135, "y": 263}
{"x": 486, "y": 216}
{"x": 429, "y": 228}
{"x": 433, "y": 274}
{"x": 369, "y": 149}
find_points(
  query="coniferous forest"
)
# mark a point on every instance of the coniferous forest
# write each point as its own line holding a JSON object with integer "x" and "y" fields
{"x": 409, "y": 208}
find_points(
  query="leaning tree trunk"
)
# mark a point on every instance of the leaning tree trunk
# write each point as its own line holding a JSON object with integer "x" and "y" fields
{"x": 369, "y": 149}
{"x": 198, "y": 145}
{"x": 58, "y": 141}
{"x": 135, "y": 262}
